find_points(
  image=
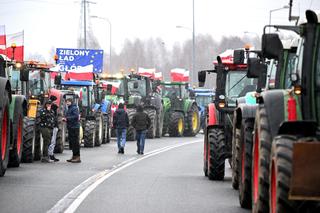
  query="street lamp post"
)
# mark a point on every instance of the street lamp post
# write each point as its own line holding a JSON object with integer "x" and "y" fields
{"x": 110, "y": 38}
{"x": 271, "y": 11}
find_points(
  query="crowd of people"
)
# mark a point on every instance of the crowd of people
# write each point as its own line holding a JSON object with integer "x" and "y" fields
{"x": 48, "y": 123}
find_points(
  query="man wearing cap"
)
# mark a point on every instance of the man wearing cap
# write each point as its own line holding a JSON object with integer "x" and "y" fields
{"x": 47, "y": 123}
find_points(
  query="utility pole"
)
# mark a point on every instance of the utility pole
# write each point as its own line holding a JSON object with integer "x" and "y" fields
{"x": 85, "y": 23}
{"x": 193, "y": 47}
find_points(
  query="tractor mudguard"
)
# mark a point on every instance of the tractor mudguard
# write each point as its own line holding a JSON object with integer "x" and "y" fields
{"x": 18, "y": 100}
{"x": 273, "y": 101}
{"x": 298, "y": 128}
{"x": 244, "y": 111}
{"x": 5, "y": 86}
{"x": 212, "y": 119}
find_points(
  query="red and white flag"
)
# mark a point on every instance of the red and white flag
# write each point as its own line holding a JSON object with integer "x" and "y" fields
{"x": 179, "y": 75}
{"x": 16, "y": 39}
{"x": 82, "y": 73}
{"x": 147, "y": 72}
{"x": 2, "y": 39}
{"x": 158, "y": 76}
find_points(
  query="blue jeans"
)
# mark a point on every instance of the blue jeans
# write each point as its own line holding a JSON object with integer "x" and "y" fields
{"x": 121, "y": 137}
{"x": 141, "y": 136}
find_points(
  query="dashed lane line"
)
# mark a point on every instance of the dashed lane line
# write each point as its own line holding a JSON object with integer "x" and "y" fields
{"x": 71, "y": 201}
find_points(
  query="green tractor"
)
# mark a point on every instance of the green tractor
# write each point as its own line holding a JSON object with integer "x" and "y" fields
{"x": 181, "y": 114}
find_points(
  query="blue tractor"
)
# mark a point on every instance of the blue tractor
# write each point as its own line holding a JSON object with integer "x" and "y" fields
{"x": 203, "y": 97}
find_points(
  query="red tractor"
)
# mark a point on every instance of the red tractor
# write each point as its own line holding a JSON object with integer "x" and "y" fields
{"x": 231, "y": 83}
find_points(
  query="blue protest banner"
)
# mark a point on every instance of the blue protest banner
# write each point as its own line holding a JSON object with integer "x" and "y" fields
{"x": 71, "y": 59}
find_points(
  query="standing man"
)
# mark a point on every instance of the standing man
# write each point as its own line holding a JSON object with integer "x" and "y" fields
{"x": 141, "y": 122}
{"x": 47, "y": 123}
{"x": 73, "y": 125}
{"x": 121, "y": 123}
{"x": 52, "y": 145}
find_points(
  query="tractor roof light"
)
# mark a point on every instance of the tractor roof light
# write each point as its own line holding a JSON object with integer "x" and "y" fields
{"x": 13, "y": 45}
{"x": 18, "y": 65}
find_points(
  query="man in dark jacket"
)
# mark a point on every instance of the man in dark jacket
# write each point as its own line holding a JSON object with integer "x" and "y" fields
{"x": 141, "y": 122}
{"x": 121, "y": 123}
{"x": 47, "y": 123}
{"x": 73, "y": 125}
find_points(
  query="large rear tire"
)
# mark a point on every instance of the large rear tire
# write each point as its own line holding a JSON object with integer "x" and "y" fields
{"x": 152, "y": 113}
{"x": 235, "y": 158}
{"x": 261, "y": 162}
{"x": 38, "y": 147}
{"x": 99, "y": 130}
{"x": 131, "y": 132}
{"x": 246, "y": 143}
{"x": 89, "y": 135}
{"x": 280, "y": 175}
{"x": 216, "y": 159}
{"x": 106, "y": 129}
{"x": 205, "y": 157}
{"x": 28, "y": 140}
{"x": 159, "y": 123}
{"x": 15, "y": 153}
{"x": 176, "y": 124}
{"x": 4, "y": 134}
{"x": 192, "y": 121}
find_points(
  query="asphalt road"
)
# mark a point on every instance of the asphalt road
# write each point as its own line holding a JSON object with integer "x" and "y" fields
{"x": 169, "y": 180}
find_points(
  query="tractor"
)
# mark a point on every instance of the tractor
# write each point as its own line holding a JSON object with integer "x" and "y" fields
{"x": 231, "y": 83}
{"x": 276, "y": 74}
{"x": 203, "y": 97}
{"x": 12, "y": 113}
{"x": 286, "y": 146}
{"x": 181, "y": 114}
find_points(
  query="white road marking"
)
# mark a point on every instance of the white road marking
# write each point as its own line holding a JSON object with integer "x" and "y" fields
{"x": 71, "y": 201}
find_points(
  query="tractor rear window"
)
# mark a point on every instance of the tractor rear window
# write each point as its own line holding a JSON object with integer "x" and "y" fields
{"x": 204, "y": 100}
{"x": 171, "y": 91}
{"x": 237, "y": 85}
{"x": 137, "y": 87}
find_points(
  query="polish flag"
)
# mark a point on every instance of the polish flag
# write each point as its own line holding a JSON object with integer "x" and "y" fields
{"x": 179, "y": 75}
{"x": 16, "y": 39}
{"x": 158, "y": 76}
{"x": 2, "y": 39}
{"x": 186, "y": 75}
{"x": 115, "y": 86}
{"x": 147, "y": 72}
{"x": 83, "y": 73}
{"x": 226, "y": 57}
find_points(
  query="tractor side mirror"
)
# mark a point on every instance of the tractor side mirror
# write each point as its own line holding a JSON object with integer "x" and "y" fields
{"x": 24, "y": 75}
{"x": 202, "y": 78}
{"x": 135, "y": 85}
{"x": 238, "y": 57}
{"x": 57, "y": 80}
{"x": 271, "y": 46}
{"x": 255, "y": 67}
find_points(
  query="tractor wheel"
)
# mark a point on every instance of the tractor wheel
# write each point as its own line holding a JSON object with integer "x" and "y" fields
{"x": 159, "y": 123}
{"x": 38, "y": 147}
{"x": 216, "y": 159}
{"x": 99, "y": 130}
{"x": 16, "y": 153}
{"x": 61, "y": 136}
{"x": 165, "y": 125}
{"x": 280, "y": 175}
{"x": 131, "y": 132}
{"x": 106, "y": 129}
{"x": 261, "y": 161}
{"x": 152, "y": 113}
{"x": 4, "y": 134}
{"x": 176, "y": 124}
{"x": 89, "y": 135}
{"x": 246, "y": 143}
{"x": 205, "y": 157}
{"x": 192, "y": 121}
{"x": 28, "y": 140}
{"x": 235, "y": 158}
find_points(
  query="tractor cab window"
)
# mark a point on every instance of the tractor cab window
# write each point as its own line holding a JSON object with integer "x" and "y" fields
{"x": 39, "y": 82}
{"x": 15, "y": 81}
{"x": 171, "y": 91}
{"x": 204, "y": 100}
{"x": 137, "y": 87}
{"x": 237, "y": 85}
{"x": 272, "y": 69}
{"x": 289, "y": 69}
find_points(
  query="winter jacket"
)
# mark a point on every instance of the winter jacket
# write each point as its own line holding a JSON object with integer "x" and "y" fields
{"x": 120, "y": 119}
{"x": 72, "y": 116}
{"x": 47, "y": 118}
{"x": 141, "y": 121}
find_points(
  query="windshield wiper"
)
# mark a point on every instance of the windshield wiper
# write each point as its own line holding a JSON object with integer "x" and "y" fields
{"x": 236, "y": 83}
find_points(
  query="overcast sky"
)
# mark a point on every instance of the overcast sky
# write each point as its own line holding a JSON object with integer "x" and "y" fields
{"x": 55, "y": 23}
